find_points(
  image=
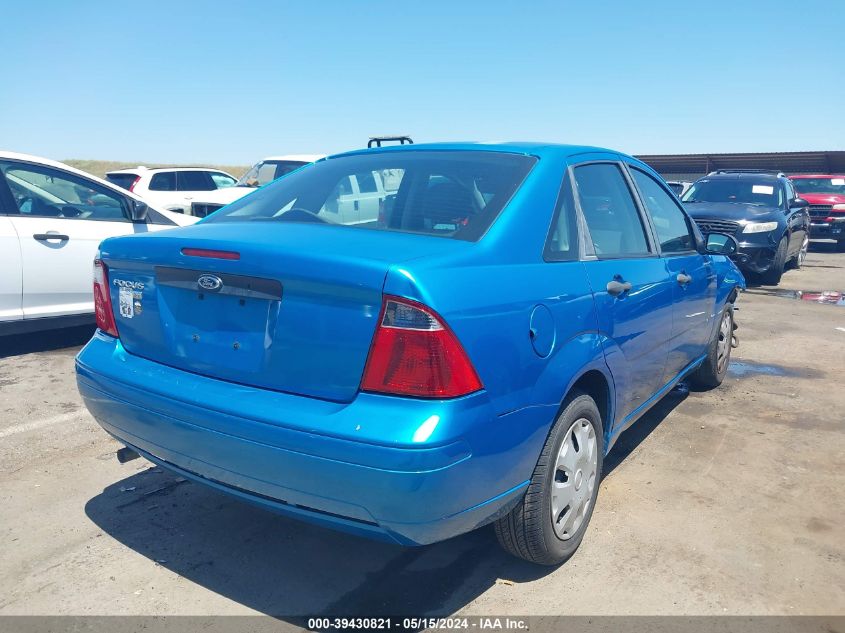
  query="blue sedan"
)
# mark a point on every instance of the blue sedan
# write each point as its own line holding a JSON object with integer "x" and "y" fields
{"x": 463, "y": 351}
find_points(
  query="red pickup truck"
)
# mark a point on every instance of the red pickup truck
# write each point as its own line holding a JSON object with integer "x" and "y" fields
{"x": 826, "y": 195}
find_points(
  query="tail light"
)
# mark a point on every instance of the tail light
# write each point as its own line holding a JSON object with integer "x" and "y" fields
{"x": 415, "y": 354}
{"x": 134, "y": 182}
{"x": 102, "y": 302}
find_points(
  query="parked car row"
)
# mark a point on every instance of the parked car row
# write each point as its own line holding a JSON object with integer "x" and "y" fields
{"x": 773, "y": 216}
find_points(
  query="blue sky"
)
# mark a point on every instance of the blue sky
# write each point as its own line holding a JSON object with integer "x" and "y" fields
{"x": 228, "y": 82}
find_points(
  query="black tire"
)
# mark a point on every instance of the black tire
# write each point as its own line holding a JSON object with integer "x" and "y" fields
{"x": 798, "y": 261}
{"x": 772, "y": 276}
{"x": 527, "y": 531}
{"x": 713, "y": 369}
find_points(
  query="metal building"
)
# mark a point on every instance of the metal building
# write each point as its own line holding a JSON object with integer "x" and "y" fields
{"x": 693, "y": 166}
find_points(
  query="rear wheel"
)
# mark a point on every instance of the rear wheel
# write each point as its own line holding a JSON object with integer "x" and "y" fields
{"x": 548, "y": 524}
{"x": 772, "y": 276}
{"x": 713, "y": 370}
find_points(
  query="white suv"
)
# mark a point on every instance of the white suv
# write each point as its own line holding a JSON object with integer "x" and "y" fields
{"x": 52, "y": 220}
{"x": 171, "y": 188}
{"x": 259, "y": 174}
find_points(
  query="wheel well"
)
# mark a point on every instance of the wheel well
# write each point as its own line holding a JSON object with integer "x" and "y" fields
{"x": 594, "y": 384}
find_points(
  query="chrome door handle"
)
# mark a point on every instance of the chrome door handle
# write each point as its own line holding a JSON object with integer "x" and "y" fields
{"x": 683, "y": 279}
{"x": 616, "y": 288}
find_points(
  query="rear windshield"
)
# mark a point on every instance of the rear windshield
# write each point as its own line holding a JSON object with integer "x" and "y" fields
{"x": 835, "y": 185}
{"x": 122, "y": 180}
{"x": 449, "y": 194}
{"x": 746, "y": 190}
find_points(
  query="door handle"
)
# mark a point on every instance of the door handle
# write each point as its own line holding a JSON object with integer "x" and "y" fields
{"x": 43, "y": 237}
{"x": 616, "y": 287}
{"x": 683, "y": 279}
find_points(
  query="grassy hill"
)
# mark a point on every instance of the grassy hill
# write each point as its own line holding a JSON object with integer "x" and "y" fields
{"x": 100, "y": 167}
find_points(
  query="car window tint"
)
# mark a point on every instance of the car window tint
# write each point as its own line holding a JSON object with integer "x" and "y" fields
{"x": 163, "y": 181}
{"x": 286, "y": 166}
{"x": 46, "y": 192}
{"x": 614, "y": 223}
{"x": 221, "y": 181}
{"x": 669, "y": 221}
{"x": 122, "y": 180}
{"x": 367, "y": 182}
{"x": 194, "y": 181}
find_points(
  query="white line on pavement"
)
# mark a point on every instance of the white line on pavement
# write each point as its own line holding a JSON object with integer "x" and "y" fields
{"x": 40, "y": 424}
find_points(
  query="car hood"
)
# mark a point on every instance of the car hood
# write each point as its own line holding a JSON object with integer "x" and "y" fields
{"x": 222, "y": 196}
{"x": 179, "y": 218}
{"x": 735, "y": 211}
{"x": 823, "y": 198}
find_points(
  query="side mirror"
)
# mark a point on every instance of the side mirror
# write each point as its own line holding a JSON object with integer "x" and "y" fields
{"x": 138, "y": 210}
{"x": 721, "y": 244}
{"x": 799, "y": 203}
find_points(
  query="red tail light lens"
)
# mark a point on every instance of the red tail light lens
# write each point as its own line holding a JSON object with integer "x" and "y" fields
{"x": 102, "y": 302}
{"x": 209, "y": 252}
{"x": 134, "y": 182}
{"x": 415, "y": 354}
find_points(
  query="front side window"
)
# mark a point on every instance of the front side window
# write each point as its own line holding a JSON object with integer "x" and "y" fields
{"x": 194, "y": 181}
{"x": 46, "y": 192}
{"x": 163, "y": 181}
{"x": 669, "y": 220}
{"x": 612, "y": 218}
{"x": 449, "y": 194}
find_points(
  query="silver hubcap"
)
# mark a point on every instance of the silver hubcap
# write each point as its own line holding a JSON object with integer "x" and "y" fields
{"x": 805, "y": 246}
{"x": 574, "y": 478}
{"x": 723, "y": 347}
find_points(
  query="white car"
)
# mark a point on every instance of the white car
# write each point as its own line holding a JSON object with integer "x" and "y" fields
{"x": 260, "y": 174}
{"x": 171, "y": 188}
{"x": 52, "y": 220}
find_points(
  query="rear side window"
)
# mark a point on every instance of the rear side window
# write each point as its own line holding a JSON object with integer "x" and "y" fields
{"x": 450, "y": 194}
{"x": 194, "y": 181}
{"x": 122, "y": 180}
{"x": 221, "y": 181}
{"x": 669, "y": 221}
{"x": 163, "y": 181}
{"x": 613, "y": 221}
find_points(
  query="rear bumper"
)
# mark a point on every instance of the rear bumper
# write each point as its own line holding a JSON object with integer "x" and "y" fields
{"x": 273, "y": 449}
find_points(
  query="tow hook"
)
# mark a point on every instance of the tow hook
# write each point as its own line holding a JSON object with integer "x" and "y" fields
{"x": 126, "y": 454}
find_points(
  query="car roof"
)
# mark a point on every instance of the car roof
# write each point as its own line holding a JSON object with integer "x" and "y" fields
{"x": 306, "y": 158}
{"x": 541, "y": 150}
{"x": 733, "y": 175}
{"x": 140, "y": 169}
{"x": 799, "y": 176}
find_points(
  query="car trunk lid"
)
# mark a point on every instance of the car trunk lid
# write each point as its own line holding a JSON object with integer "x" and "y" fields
{"x": 295, "y": 312}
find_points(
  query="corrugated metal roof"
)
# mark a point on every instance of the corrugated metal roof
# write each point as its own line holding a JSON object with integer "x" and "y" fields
{"x": 691, "y": 166}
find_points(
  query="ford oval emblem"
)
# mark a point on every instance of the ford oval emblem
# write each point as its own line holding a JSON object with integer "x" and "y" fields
{"x": 212, "y": 283}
